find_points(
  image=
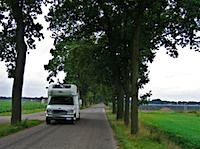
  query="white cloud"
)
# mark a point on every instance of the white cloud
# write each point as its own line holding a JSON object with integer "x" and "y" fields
{"x": 175, "y": 79}
{"x": 5, "y": 83}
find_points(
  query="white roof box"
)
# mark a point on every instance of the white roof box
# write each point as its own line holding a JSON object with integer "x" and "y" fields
{"x": 62, "y": 90}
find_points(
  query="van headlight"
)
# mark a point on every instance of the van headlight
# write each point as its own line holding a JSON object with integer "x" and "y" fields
{"x": 71, "y": 111}
{"x": 49, "y": 112}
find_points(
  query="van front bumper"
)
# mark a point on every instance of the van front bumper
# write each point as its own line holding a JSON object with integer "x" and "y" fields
{"x": 71, "y": 117}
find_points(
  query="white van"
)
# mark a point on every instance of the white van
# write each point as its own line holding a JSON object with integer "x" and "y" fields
{"x": 63, "y": 103}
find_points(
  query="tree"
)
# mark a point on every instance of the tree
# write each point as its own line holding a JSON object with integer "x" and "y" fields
{"x": 17, "y": 18}
{"x": 80, "y": 60}
{"x": 161, "y": 23}
{"x": 108, "y": 19}
{"x": 88, "y": 20}
{"x": 133, "y": 28}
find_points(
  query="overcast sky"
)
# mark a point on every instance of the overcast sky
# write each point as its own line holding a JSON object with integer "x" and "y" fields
{"x": 170, "y": 79}
{"x": 175, "y": 79}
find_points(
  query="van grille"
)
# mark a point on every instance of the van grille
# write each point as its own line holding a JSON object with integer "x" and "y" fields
{"x": 59, "y": 112}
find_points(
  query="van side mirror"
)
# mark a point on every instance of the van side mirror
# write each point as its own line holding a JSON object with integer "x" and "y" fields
{"x": 80, "y": 101}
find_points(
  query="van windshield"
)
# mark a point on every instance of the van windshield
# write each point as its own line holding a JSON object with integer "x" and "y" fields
{"x": 61, "y": 101}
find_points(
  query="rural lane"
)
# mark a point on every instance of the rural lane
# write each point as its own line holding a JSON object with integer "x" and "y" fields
{"x": 92, "y": 131}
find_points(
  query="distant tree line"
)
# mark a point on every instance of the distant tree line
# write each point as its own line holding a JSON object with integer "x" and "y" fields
{"x": 24, "y": 98}
{"x": 159, "y": 101}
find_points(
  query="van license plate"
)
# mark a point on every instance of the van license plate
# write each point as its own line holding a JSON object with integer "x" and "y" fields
{"x": 68, "y": 118}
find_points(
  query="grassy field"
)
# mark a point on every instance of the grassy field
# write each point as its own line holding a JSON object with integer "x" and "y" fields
{"x": 160, "y": 130}
{"x": 27, "y": 107}
{"x": 181, "y": 127}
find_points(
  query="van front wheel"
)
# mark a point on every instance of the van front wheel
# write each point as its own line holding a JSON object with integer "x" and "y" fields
{"x": 79, "y": 116}
{"x": 48, "y": 121}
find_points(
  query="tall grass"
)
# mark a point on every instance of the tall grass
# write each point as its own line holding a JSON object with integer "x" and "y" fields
{"x": 6, "y": 129}
{"x": 31, "y": 105}
{"x": 27, "y": 107}
{"x": 160, "y": 130}
{"x": 5, "y": 106}
{"x": 182, "y": 128}
{"x": 145, "y": 139}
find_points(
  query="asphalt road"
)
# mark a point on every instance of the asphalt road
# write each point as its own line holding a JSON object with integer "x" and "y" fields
{"x": 92, "y": 131}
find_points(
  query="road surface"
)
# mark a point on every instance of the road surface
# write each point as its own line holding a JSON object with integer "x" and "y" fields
{"x": 92, "y": 131}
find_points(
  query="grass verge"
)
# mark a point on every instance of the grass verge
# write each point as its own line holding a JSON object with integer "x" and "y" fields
{"x": 143, "y": 140}
{"x": 182, "y": 128}
{"x": 7, "y": 129}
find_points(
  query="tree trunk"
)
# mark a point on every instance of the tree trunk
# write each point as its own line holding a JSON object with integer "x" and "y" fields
{"x": 135, "y": 67}
{"x": 118, "y": 89}
{"x": 114, "y": 105}
{"x": 127, "y": 100}
{"x": 120, "y": 103}
{"x": 20, "y": 64}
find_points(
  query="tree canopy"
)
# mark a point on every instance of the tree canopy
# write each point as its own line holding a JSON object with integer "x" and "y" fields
{"x": 125, "y": 36}
{"x": 9, "y": 17}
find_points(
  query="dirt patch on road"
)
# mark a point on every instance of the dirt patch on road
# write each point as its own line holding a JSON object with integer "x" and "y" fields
{"x": 41, "y": 117}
